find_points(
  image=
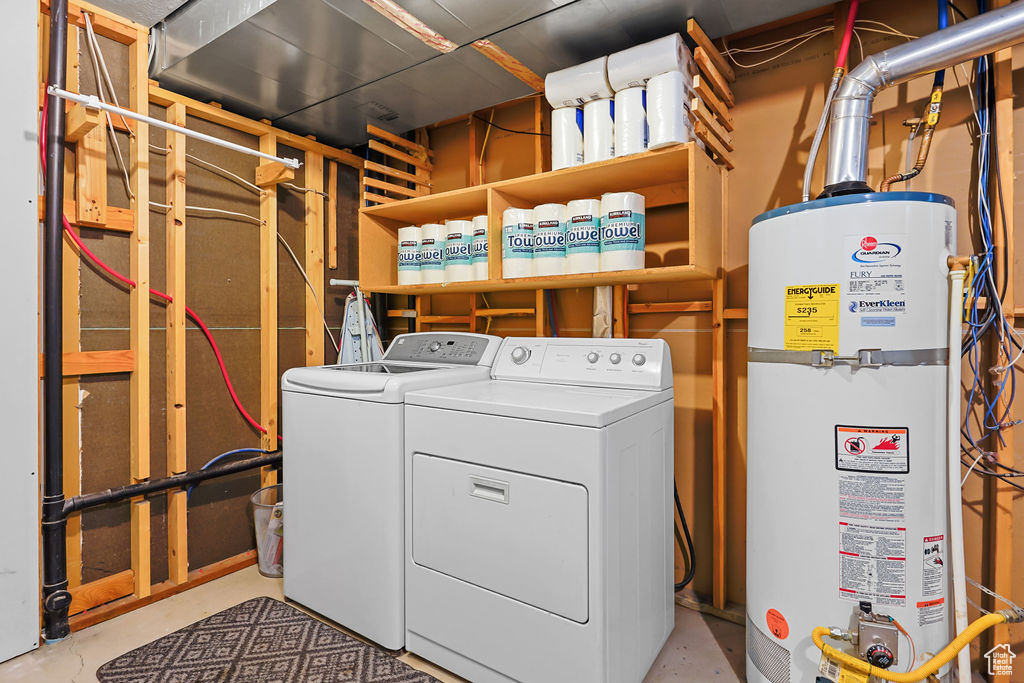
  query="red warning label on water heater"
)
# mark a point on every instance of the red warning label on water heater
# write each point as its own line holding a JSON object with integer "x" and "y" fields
{"x": 879, "y": 450}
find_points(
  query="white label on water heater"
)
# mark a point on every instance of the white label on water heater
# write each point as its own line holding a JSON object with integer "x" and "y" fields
{"x": 873, "y": 563}
{"x": 882, "y": 450}
{"x": 872, "y": 497}
{"x": 876, "y": 283}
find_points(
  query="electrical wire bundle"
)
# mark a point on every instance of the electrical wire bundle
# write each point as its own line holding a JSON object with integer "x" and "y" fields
{"x": 993, "y": 389}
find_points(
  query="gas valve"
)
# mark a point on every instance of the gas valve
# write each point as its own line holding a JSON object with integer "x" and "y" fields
{"x": 877, "y": 637}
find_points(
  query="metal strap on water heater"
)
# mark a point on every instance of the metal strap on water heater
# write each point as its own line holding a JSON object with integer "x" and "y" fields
{"x": 865, "y": 358}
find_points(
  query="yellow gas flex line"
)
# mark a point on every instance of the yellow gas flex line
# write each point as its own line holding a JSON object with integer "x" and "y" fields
{"x": 928, "y": 668}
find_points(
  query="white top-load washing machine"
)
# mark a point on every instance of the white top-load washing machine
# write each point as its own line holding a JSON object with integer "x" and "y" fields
{"x": 539, "y": 514}
{"x": 344, "y": 482}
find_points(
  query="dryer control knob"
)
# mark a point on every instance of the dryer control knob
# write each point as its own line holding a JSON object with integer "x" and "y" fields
{"x": 434, "y": 346}
{"x": 639, "y": 359}
{"x": 520, "y": 355}
{"x": 593, "y": 357}
{"x": 615, "y": 358}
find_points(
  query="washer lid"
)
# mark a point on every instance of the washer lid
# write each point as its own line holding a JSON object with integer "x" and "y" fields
{"x": 562, "y": 404}
{"x": 383, "y": 382}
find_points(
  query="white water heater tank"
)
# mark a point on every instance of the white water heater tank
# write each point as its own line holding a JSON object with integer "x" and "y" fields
{"x": 846, "y": 438}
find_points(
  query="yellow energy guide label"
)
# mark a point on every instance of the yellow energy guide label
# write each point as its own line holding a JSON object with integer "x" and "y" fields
{"x": 812, "y": 317}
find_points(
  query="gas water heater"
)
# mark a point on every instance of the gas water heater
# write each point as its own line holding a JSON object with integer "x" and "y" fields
{"x": 846, "y": 461}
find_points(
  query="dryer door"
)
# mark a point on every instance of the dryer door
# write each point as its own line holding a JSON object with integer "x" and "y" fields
{"x": 522, "y": 536}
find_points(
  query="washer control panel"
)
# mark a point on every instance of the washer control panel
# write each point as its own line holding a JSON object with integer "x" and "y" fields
{"x": 453, "y": 348}
{"x": 626, "y": 363}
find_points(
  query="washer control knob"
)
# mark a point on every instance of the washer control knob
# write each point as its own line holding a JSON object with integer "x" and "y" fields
{"x": 615, "y": 358}
{"x": 434, "y": 346}
{"x": 520, "y": 355}
{"x": 593, "y": 357}
{"x": 639, "y": 359}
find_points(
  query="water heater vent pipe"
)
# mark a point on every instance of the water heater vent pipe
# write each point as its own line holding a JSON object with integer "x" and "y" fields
{"x": 851, "y": 109}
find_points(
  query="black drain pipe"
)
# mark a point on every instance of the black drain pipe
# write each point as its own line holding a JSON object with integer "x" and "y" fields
{"x": 178, "y": 481}
{"x": 56, "y": 598}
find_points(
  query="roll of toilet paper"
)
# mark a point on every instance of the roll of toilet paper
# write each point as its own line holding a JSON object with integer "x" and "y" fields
{"x": 578, "y": 84}
{"x": 517, "y": 230}
{"x": 598, "y": 130}
{"x": 634, "y": 66}
{"x": 622, "y": 231}
{"x": 478, "y": 255}
{"x": 432, "y": 253}
{"x": 583, "y": 236}
{"x": 668, "y": 110}
{"x": 630, "y": 121}
{"x": 458, "y": 248}
{"x": 409, "y": 255}
{"x": 566, "y": 137}
{"x": 549, "y": 239}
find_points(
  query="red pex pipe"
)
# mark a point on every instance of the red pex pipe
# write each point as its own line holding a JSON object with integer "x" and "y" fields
{"x": 844, "y": 47}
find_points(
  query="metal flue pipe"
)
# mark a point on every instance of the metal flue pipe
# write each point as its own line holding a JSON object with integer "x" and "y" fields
{"x": 851, "y": 109}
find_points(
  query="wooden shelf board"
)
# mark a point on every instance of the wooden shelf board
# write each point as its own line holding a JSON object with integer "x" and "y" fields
{"x": 620, "y": 277}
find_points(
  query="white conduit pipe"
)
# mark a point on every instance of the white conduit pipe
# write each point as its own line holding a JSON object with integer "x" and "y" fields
{"x": 956, "y": 516}
{"x": 93, "y": 102}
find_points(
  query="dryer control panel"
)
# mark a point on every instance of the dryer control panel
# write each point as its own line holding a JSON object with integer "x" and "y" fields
{"x": 624, "y": 363}
{"x": 453, "y": 348}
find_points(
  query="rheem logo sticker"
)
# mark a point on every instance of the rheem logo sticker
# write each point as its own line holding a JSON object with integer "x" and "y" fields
{"x": 868, "y": 243}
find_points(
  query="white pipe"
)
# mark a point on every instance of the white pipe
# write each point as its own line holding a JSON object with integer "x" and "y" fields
{"x": 956, "y": 516}
{"x": 93, "y": 102}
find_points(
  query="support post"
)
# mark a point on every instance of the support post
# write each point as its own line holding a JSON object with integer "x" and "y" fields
{"x": 719, "y": 597}
{"x": 268, "y": 314}
{"x": 314, "y": 257}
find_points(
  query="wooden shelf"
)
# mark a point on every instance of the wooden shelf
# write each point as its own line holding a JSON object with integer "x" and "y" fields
{"x": 683, "y": 191}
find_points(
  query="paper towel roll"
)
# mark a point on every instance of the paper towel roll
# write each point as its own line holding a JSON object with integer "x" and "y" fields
{"x": 409, "y": 256}
{"x": 549, "y": 239}
{"x": 583, "y": 236}
{"x": 517, "y": 243}
{"x": 630, "y": 121}
{"x": 432, "y": 253}
{"x": 622, "y": 231}
{"x": 636, "y": 65}
{"x": 598, "y": 130}
{"x": 566, "y": 137}
{"x": 667, "y": 107}
{"x": 458, "y": 249}
{"x": 578, "y": 84}
{"x": 478, "y": 256}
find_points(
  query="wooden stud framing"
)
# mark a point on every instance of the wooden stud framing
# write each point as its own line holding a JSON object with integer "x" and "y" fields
{"x": 718, "y": 417}
{"x": 374, "y": 167}
{"x": 91, "y": 183}
{"x": 541, "y": 307}
{"x": 704, "y": 91}
{"x": 118, "y": 219}
{"x": 268, "y": 314}
{"x": 396, "y": 140}
{"x": 399, "y": 156}
{"x": 177, "y": 515}
{"x": 88, "y": 595}
{"x": 139, "y": 312}
{"x": 701, "y": 112}
{"x": 80, "y": 120}
{"x": 392, "y": 187}
{"x": 314, "y": 257}
{"x": 77, "y": 363}
{"x": 332, "y": 215}
{"x": 538, "y": 127}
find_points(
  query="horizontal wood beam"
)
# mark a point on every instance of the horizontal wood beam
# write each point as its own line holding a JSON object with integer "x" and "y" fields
{"x": 702, "y": 113}
{"x": 380, "y": 199}
{"x": 162, "y": 590}
{"x": 669, "y": 307}
{"x": 374, "y": 167}
{"x": 101, "y": 591}
{"x": 95, "y": 362}
{"x": 118, "y": 219}
{"x": 391, "y": 187}
{"x": 701, "y": 87}
{"x": 735, "y": 314}
{"x": 214, "y": 114}
{"x": 716, "y": 79}
{"x": 396, "y": 139}
{"x": 106, "y": 24}
{"x": 399, "y": 156}
{"x": 504, "y": 312}
{"x": 704, "y": 43}
{"x": 454, "y": 319}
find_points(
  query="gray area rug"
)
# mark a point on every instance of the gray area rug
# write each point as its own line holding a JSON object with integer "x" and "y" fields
{"x": 260, "y": 641}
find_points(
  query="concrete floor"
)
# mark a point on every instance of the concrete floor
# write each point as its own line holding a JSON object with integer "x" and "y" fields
{"x": 701, "y": 648}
